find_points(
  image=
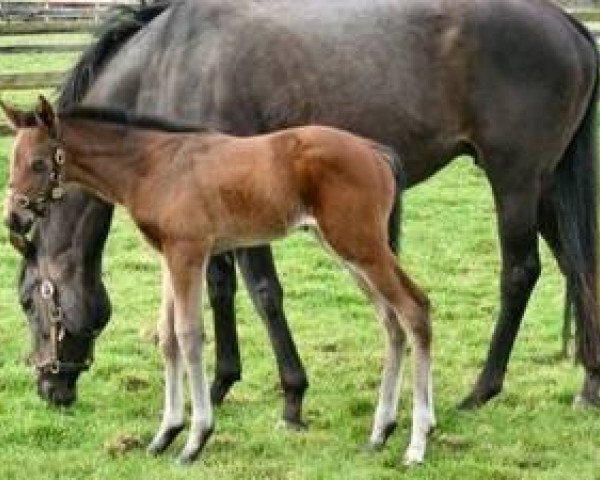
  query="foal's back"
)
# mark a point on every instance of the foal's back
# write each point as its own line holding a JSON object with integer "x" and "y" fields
{"x": 241, "y": 191}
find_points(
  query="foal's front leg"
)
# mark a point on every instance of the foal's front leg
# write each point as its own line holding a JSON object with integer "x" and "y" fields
{"x": 187, "y": 267}
{"x": 172, "y": 420}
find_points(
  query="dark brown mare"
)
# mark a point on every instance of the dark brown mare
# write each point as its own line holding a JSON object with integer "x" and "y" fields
{"x": 194, "y": 195}
{"x": 510, "y": 83}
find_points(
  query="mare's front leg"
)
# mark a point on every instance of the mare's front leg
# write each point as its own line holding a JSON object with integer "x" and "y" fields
{"x": 187, "y": 264}
{"x": 172, "y": 420}
{"x": 220, "y": 280}
{"x": 258, "y": 269}
{"x": 517, "y": 224}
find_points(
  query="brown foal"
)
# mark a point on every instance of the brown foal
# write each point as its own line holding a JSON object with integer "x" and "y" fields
{"x": 194, "y": 194}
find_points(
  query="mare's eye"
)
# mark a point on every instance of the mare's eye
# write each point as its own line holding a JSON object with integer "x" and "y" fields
{"x": 38, "y": 165}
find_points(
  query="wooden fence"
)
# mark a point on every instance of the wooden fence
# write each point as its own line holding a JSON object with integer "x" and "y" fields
{"x": 18, "y": 17}
{"x": 31, "y": 17}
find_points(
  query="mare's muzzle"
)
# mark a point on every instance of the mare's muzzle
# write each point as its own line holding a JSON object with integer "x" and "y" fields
{"x": 18, "y": 224}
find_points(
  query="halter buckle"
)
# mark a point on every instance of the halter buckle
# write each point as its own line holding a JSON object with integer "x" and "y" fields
{"x": 46, "y": 289}
{"x": 57, "y": 193}
{"x": 59, "y": 156}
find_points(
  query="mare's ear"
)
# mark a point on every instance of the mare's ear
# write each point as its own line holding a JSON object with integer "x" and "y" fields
{"x": 45, "y": 116}
{"x": 17, "y": 118}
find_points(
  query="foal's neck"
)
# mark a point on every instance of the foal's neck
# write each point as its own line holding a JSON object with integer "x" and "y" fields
{"x": 105, "y": 158}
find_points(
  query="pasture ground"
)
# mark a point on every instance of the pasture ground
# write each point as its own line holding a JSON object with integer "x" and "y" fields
{"x": 449, "y": 246}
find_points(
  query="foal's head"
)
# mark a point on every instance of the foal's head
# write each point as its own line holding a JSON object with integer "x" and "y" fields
{"x": 64, "y": 317}
{"x": 34, "y": 167}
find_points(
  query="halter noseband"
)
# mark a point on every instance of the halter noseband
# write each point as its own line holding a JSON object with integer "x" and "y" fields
{"x": 53, "y": 192}
{"x": 58, "y": 330}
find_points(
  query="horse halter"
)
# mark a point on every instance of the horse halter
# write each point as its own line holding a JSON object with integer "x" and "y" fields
{"x": 54, "y": 190}
{"x": 51, "y": 310}
{"x": 55, "y": 315}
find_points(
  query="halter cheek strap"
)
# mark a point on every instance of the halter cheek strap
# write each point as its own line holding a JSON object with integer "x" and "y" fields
{"x": 53, "y": 192}
{"x": 57, "y": 191}
{"x": 54, "y": 314}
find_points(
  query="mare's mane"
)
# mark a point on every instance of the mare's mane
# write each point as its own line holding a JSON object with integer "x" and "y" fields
{"x": 116, "y": 116}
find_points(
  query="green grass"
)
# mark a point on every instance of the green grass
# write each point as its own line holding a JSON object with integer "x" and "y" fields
{"x": 35, "y": 62}
{"x": 529, "y": 432}
{"x": 41, "y": 39}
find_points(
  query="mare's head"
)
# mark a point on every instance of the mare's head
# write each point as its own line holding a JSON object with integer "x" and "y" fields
{"x": 60, "y": 286}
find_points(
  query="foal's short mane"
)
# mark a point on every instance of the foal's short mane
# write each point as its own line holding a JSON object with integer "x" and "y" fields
{"x": 117, "y": 116}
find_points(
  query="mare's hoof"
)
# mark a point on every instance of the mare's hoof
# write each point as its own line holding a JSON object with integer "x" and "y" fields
{"x": 477, "y": 399}
{"x": 220, "y": 388}
{"x": 163, "y": 439}
{"x": 470, "y": 402}
{"x": 586, "y": 402}
{"x": 294, "y": 425}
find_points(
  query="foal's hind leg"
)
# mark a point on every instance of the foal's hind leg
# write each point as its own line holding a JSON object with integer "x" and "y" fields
{"x": 367, "y": 254}
{"x": 172, "y": 420}
{"x": 411, "y": 309}
{"x": 384, "y": 422}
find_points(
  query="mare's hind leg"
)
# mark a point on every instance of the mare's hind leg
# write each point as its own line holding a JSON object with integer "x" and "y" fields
{"x": 221, "y": 283}
{"x": 172, "y": 419}
{"x": 258, "y": 269}
{"x": 517, "y": 225}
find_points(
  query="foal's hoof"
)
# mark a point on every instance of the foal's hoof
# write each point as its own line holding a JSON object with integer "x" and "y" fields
{"x": 194, "y": 447}
{"x": 379, "y": 439}
{"x": 163, "y": 439}
{"x": 414, "y": 456}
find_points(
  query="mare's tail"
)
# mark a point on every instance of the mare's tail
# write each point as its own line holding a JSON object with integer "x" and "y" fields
{"x": 574, "y": 195}
{"x": 395, "y": 221}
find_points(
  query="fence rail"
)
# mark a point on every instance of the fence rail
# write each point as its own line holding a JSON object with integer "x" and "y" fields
{"x": 19, "y": 17}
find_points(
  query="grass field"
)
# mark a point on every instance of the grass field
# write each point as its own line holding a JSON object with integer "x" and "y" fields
{"x": 449, "y": 246}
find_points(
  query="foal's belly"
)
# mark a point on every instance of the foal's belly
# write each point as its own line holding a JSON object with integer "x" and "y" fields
{"x": 254, "y": 236}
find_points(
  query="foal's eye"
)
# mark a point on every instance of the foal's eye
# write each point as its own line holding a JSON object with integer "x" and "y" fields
{"x": 38, "y": 165}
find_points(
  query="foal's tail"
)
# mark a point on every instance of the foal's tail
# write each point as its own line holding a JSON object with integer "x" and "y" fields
{"x": 395, "y": 221}
{"x": 574, "y": 195}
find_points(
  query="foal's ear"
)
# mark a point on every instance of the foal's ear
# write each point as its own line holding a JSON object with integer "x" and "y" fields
{"x": 45, "y": 116}
{"x": 17, "y": 118}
